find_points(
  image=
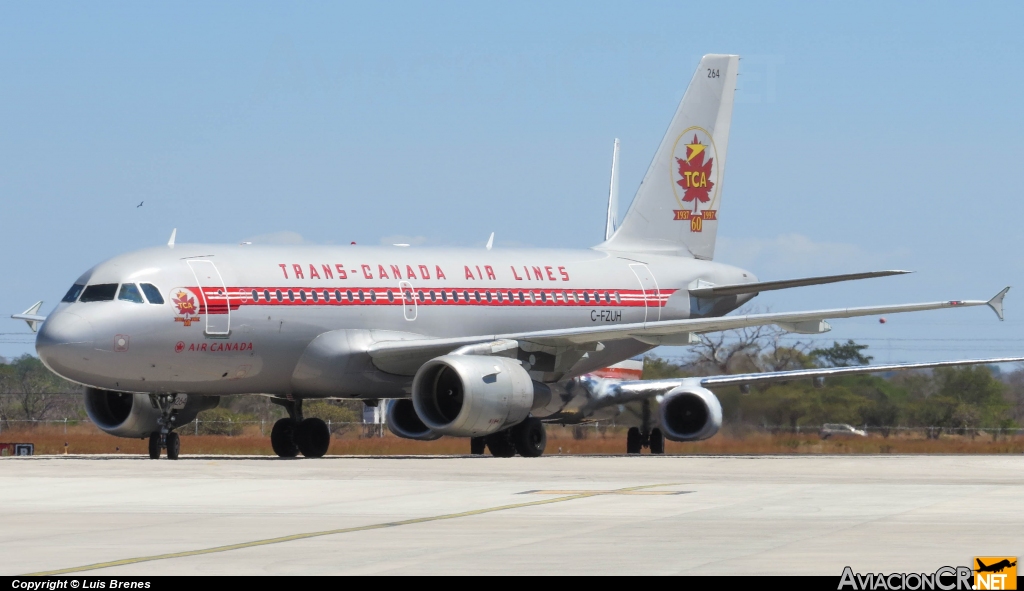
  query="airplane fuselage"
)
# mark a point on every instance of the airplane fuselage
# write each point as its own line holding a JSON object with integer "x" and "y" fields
{"x": 238, "y": 319}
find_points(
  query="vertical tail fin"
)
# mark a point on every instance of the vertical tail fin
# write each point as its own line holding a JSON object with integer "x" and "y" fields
{"x": 675, "y": 210}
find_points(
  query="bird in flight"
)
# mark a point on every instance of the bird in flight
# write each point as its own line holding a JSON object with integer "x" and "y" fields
{"x": 139, "y": 205}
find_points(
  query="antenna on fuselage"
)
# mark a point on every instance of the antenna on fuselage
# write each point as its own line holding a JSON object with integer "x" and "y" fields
{"x": 613, "y": 195}
{"x": 174, "y": 233}
{"x": 490, "y": 241}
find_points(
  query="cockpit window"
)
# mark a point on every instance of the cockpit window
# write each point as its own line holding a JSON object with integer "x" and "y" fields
{"x": 152, "y": 293}
{"x": 101, "y": 292}
{"x": 130, "y": 293}
{"x": 73, "y": 293}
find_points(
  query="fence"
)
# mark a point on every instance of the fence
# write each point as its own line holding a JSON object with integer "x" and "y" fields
{"x": 193, "y": 426}
{"x": 578, "y": 431}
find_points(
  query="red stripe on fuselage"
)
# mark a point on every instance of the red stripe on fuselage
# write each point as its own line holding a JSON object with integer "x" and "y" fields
{"x": 216, "y": 303}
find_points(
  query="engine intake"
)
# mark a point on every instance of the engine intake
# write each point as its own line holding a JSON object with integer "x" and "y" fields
{"x": 472, "y": 395}
{"x": 135, "y": 415}
{"x": 403, "y": 421}
{"x": 690, "y": 414}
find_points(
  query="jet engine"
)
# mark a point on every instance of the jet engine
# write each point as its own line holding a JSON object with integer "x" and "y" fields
{"x": 690, "y": 414}
{"x": 135, "y": 415}
{"x": 472, "y": 395}
{"x": 403, "y": 421}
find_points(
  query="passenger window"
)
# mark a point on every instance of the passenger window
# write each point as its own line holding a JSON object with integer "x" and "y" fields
{"x": 101, "y": 292}
{"x": 130, "y": 293}
{"x": 152, "y": 293}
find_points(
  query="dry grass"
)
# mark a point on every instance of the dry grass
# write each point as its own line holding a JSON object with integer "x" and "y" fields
{"x": 86, "y": 439}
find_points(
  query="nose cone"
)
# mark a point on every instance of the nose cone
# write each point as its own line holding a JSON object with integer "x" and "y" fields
{"x": 65, "y": 342}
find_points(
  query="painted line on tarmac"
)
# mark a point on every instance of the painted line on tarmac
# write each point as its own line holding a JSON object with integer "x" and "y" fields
{"x": 345, "y": 530}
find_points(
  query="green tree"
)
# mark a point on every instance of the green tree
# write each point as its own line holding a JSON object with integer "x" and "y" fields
{"x": 845, "y": 355}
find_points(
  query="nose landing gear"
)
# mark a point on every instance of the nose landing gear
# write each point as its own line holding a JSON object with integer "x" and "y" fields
{"x": 296, "y": 434}
{"x": 165, "y": 438}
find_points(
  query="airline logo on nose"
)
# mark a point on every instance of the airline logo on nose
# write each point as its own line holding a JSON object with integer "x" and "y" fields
{"x": 185, "y": 301}
{"x": 694, "y": 174}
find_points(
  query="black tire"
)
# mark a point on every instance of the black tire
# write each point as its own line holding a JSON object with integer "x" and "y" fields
{"x": 173, "y": 446}
{"x": 634, "y": 441}
{"x": 313, "y": 438}
{"x": 154, "y": 446}
{"x": 657, "y": 441}
{"x": 282, "y": 438}
{"x": 477, "y": 446}
{"x": 500, "y": 444}
{"x": 530, "y": 438}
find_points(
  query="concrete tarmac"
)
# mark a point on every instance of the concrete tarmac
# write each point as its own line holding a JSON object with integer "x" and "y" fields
{"x": 483, "y": 515}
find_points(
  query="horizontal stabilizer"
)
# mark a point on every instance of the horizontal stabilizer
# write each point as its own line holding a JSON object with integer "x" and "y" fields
{"x": 744, "y": 288}
{"x": 31, "y": 316}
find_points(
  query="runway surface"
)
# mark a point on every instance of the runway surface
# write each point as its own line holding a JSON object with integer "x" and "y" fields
{"x": 462, "y": 515}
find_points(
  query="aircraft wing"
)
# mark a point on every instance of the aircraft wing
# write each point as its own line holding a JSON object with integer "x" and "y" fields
{"x": 666, "y": 332}
{"x": 628, "y": 391}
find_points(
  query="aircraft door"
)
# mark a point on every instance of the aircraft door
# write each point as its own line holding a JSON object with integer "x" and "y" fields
{"x": 215, "y": 296}
{"x": 649, "y": 285}
{"x": 408, "y": 300}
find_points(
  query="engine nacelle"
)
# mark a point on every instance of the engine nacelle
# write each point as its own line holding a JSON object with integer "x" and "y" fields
{"x": 472, "y": 395}
{"x": 403, "y": 421}
{"x": 135, "y": 415}
{"x": 690, "y": 414}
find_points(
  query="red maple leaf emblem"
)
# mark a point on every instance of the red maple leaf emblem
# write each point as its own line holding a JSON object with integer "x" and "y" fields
{"x": 695, "y": 172}
{"x": 185, "y": 304}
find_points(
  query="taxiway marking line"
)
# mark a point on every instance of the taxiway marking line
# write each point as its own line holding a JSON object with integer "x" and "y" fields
{"x": 331, "y": 532}
{"x": 606, "y": 492}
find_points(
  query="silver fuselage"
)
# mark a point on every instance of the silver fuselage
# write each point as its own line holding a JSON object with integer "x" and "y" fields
{"x": 237, "y": 319}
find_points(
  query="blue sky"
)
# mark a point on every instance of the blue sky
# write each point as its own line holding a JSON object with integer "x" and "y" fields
{"x": 865, "y": 136}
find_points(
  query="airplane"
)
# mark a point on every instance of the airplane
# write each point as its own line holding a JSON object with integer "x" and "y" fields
{"x": 994, "y": 568}
{"x": 488, "y": 344}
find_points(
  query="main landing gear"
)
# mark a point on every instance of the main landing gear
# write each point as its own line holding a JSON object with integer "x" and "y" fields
{"x": 165, "y": 438}
{"x": 528, "y": 439}
{"x": 643, "y": 436}
{"x": 295, "y": 434}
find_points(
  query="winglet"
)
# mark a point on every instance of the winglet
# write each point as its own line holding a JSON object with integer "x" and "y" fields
{"x": 31, "y": 317}
{"x": 996, "y": 303}
{"x": 174, "y": 233}
{"x": 490, "y": 241}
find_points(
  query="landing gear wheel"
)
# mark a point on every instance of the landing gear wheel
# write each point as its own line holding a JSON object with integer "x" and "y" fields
{"x": 657, "y": 441}
{"x": 477, "y": 445}
{"x": 282, "y": 438}
{"x": 173, "y": 445}
{"x": 313, "y": 438}
{"x": 634, "y": 441}
{"x": 530, "y": 438}
{"x": 154, "y": 446}
{"x": 500, "y": 444}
